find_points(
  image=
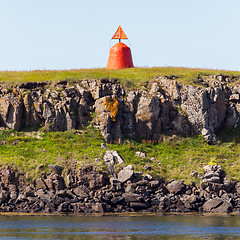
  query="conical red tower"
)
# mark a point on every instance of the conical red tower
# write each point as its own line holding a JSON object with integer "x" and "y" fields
{"x": 120, "y": 54}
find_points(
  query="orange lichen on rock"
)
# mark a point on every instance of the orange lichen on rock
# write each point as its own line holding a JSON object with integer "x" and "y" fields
{"x": 106, "y": 107}
{"x": 112, "y": 106}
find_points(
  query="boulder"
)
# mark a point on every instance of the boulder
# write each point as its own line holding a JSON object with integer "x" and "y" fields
{"x": 49, "y": 183}
{"x": 21, "y": 198}
{"x": 116, "y": 200}
{"x": 132, "y": 197}
{"x": 126, "y": 174}
{"x": 142, "y": 182}
{"x": 217, "y": 205}
{"x": 176, "y": 187}
{"x": 29, "y": 191}
{"x": 148, "y": 177}
{"x": 117, "y": 157}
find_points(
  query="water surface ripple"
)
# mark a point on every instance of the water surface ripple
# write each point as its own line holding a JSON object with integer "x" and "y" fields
{"x": 115, "y": 227}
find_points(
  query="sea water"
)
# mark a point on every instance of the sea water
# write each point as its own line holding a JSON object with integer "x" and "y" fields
{"x": 120, "y": 227}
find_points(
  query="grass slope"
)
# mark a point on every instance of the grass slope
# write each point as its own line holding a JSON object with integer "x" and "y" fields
{"x": 175, "y": 157}
{"x": 131, "y": 77}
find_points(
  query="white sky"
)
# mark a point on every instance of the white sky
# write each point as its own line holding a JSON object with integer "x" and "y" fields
{"x": 67, "y": 34}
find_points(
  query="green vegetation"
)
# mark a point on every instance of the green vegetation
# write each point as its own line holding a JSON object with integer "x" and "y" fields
{"x": 175, "y": 157}
{"x": 131, "y": 77}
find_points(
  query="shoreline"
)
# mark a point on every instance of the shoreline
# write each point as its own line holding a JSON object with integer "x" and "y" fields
{"x": 126, "y": 214}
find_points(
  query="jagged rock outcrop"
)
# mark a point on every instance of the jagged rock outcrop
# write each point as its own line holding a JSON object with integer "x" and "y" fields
{"x": 30, "y": 114}
{"x": 11, "y": 111}
{"x": 200, "y": 110}
{"x": 168, "y": 106}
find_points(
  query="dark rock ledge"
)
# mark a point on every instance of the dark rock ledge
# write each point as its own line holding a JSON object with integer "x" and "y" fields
{"x": 88, "y": 191}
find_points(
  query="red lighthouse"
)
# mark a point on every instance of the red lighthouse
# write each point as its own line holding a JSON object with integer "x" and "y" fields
{"x": 120, "y": 54}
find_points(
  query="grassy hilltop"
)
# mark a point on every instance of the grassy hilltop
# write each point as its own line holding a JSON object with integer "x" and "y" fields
{"x": 174, "y": 156}
{"x": 131, "y": 77}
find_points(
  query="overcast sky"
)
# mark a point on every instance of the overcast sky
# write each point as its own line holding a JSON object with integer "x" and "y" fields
{"x": 70, "y": 34}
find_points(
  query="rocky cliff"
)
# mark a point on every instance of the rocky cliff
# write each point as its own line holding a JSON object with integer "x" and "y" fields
{"x": 165, "y": 106}
{"x": 87, "y": 191}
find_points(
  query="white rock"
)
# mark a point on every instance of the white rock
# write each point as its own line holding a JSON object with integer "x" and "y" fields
{"x": 141, "y": 154}
{"x": 104, "y": 146}
{"x": 125, "y": 174}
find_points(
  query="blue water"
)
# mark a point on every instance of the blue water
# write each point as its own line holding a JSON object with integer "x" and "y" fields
{"x": 115, "y": 227}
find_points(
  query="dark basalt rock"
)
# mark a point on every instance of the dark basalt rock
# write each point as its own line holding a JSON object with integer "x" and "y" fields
{"x": 176, "y": 187}
{"x": 33, "y": 85}
{"x": 94, "y": 192}
{"x": 217, "y": 205}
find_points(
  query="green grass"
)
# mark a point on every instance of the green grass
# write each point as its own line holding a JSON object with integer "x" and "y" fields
{"x": 61, "y": 148}
{"x": 175, "y": 158}
{"x": 131, "y": 77}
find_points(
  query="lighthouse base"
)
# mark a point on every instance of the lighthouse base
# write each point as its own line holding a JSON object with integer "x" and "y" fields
{"x": 120, "y": 57}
